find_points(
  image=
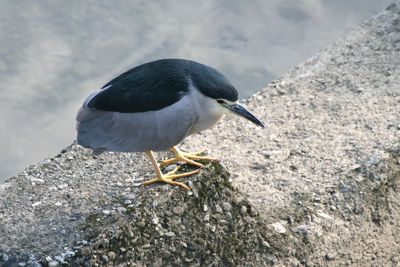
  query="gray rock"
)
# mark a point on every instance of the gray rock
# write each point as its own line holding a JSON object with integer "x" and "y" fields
{"x": 243, "y": 210}
{"x": 374, "y": 160}
{"x": 170, "y": 234}
{"x": 178, "y": 210}
{"x": 170, "y": 167}
{"x": 278, "y": 227}
{"x": 37, "y": 180}
{"x": 248, "y": 219}
{"x": 121, "y": 209}
{"x": 265, "y": 244}
{"x": 106, "y": 212}
{"x": 226, "y": 206}
{"x": 130, "y": 254}
{"x": 130, "y": 196}
{"x": 330, "y": 256}
{"x": 105, "y": 258}
{"x": 218, "y": 209}
{"x": 141, "y": 224}
{"x": 302, "y": 229}
{"x": 36, "y": 204}
{"x": 62, "y": 186}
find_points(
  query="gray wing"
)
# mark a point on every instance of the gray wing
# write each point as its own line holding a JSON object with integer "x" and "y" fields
{"x": 135, "y": 132}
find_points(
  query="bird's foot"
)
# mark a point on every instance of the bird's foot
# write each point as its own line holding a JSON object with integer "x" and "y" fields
{"x": 187, "y": 157}
{"x": 170, "y": 176}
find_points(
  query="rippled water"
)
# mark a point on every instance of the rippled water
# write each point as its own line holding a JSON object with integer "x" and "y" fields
{"x": 53, "y": 53}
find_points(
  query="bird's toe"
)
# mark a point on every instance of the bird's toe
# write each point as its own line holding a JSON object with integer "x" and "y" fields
{"x": 171, "y": 176}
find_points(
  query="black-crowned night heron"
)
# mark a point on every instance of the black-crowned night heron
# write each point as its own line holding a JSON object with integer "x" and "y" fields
{"x": 153, "y": 107}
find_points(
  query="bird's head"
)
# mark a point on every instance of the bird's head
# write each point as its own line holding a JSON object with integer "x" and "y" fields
{"x": 237, "y": 109}
{"x": 213, "y": 84}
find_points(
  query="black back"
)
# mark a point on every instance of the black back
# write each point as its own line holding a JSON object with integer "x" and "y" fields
{"x": 157, "y": 84}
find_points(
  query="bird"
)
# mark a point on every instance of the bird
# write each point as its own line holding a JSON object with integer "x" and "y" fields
{"x": 154, "y": 107}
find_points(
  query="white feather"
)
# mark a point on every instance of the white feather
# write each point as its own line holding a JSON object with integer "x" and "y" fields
{"x": 208, "y": 110}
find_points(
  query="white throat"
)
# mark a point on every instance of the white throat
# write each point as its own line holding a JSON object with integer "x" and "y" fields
{"x": 208, "y": 111}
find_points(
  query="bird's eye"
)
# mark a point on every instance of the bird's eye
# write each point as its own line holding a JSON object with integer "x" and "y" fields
{"x": 220, "y": 101}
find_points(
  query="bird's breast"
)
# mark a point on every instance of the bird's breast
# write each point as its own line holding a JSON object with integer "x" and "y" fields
{"x": 204, "y": 123}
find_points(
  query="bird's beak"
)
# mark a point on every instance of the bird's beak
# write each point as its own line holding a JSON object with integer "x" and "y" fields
{"x": 241, "y": 111}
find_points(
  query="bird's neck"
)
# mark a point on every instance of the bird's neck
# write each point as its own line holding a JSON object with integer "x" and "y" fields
{"x": 208, "y": 111}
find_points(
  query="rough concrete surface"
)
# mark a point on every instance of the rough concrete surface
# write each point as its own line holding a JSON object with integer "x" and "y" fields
{"x": 318, "y": 187}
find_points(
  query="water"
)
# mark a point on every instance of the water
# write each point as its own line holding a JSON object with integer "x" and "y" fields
{"x": 53, "y": 53}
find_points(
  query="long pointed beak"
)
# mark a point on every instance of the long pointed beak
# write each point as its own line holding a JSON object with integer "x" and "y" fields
{"x": 241, "y": 111}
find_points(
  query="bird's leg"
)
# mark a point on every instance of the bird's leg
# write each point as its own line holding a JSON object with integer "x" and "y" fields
{"x": 168, "y": 177}
{"x": 187, "y": 157}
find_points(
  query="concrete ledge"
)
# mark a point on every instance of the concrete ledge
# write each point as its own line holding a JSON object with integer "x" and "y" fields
{"x": 318, "y": 187}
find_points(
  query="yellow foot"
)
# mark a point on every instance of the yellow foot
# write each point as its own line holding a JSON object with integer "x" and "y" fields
{"x": 170, "y": 176}
{"x": 187, "y": 157}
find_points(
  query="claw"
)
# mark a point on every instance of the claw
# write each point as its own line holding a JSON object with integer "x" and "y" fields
{"x": 170, "y": 176}
{"x": 187, "y": 157}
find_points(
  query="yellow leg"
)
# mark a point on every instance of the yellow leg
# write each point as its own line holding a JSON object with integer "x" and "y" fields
{"x": 187, "y": 157}
{"x": 170, "y": 176}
